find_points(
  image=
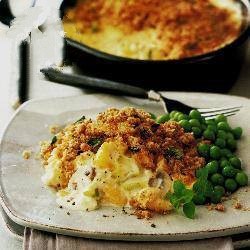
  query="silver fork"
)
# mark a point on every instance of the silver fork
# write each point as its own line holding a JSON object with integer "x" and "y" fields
{"x": 81, "y": 81}
{"x": 207, "y": 113}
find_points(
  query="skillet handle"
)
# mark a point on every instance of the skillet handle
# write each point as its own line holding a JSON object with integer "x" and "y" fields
{"x": 86, "y": 82}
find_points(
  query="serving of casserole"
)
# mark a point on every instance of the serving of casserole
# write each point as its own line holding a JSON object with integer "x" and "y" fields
{"x": 119, "y": 160}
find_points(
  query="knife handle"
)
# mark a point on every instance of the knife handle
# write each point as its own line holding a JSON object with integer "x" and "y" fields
{"x": 87, "y": 82}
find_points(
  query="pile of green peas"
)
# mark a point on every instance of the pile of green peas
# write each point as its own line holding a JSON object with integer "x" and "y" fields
{"x": 224, "y": 167}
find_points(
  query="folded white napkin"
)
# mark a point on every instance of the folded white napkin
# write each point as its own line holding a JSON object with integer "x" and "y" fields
{"x": 38, "y": 240}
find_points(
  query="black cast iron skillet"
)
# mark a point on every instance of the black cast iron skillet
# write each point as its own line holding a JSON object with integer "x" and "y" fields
{"x": 214, "y": 72}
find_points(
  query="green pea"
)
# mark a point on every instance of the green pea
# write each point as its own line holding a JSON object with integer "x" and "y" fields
{"x": 220, "y": 142}
{"x": 182, "y": 117}
{"x": 203, "y": 127}
{"x": 230, "y": 135}
{"x": 220, "y": 118}
{"x": 222, "y": 134}
{"x": 220, "y": 189}
{"x": 209, "y": 134}
{"x": 235, "y": 162}
{"x": 212, "y": 127}
{"x": 212, "y": 167}
{"x": 217, "y": 179}
{"x": 215, "y": 152}
{"x": 237, "y": 132}
{"x": 153, "y": 116}
{"x": 231, "y": 144}
{"x": 224, "y": 163}
{"x": 226, "y": 153}
{"x": 196, "y": 131}
{"x": 229, "y": 171}
{"x": 172, "y": 113}
{"x": 198, "y": 172}
{"x": 216, "y": 197}
{"x": 203, "y": 149}
{"x": 195, "y": 114}
{"x": 176, "y": 115}
{"x": 210, "y": 122}
{"x": 186, "y": 125}
{"x": 223, "y": 158}
{"x": 163, "y": 118}
{"x": 203, "y": 120}
{"x": 230, "y": 185}
{"x": 241, "y": 178}
{"x": 223, "y": 126}
{"x": 195, "y": 123}
{"x": 199, "y": 199}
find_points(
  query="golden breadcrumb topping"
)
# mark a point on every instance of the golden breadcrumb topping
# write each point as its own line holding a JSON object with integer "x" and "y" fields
{"x": 54, "y": 129}
{"x": 26, "y": 154}
{"x": 237, "y": 205}
{"x": 220, "y": 207}
{"x": 192, "y": 27}
{"x": 152, "y": 145}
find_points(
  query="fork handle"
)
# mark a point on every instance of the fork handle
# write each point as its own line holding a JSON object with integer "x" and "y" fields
{"x": 86, "y": 82}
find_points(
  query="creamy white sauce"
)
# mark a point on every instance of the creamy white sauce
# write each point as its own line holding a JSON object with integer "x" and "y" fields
{"x": 74, "y": 196}
{"x": 98, "y": 177}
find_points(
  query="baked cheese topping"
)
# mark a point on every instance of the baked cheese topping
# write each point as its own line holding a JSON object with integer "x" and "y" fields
{"x": 154, "y": 29}
{"x": 123, "y": 158}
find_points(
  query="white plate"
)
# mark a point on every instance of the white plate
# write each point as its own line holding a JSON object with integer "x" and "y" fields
{"x": 28, "y": 203}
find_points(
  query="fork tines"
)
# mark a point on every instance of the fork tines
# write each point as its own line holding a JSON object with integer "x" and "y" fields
{"x": 211, "y": 113}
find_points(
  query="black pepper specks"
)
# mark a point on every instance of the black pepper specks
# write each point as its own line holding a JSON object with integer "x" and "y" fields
{"x": 124, "y": 211}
